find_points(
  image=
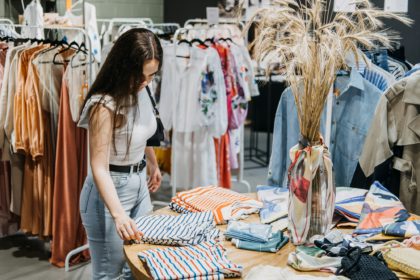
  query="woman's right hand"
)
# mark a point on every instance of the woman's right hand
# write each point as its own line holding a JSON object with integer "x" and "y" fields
{"x": 127, "y": 228}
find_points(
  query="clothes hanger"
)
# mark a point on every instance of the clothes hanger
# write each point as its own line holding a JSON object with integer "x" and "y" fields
{"x": 56, "y": 44}
{"x": 225, "y": 40}
{"x": 199, "y": 41}
{"x": 92, "y": 60}
{"x": 82, "y": 49}
{"x": 64, "y": 50}
{"x": 184, "y": 41}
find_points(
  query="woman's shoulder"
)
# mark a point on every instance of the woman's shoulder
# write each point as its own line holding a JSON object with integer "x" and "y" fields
{"x": 94, "y": 100}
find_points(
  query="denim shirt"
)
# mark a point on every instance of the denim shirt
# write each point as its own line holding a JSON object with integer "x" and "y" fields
{"x": 352, "y": 113}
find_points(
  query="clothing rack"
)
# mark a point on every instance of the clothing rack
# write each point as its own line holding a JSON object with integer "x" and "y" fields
{"x": 81, "y": 30}
{"x": 221, "y": 21}
{"x": 90, "y": 80}
{"x": 169, "y": 24}
{"x": 7, "y": 21}
{"x": 130, "y": 26}
{"x": 240, "y": 177}
{"x": 108, "y": 33}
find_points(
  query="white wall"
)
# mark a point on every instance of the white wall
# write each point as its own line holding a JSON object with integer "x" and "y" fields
{"x": 124, "y": 8}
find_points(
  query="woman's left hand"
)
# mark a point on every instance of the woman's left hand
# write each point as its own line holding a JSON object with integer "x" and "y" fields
{"x": 155, "y": 178}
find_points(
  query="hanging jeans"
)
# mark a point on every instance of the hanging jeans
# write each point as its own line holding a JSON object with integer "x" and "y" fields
{"x": 105, "y": 245}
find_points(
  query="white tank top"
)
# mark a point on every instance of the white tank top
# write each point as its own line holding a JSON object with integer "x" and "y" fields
{"x": 142, "y": 129}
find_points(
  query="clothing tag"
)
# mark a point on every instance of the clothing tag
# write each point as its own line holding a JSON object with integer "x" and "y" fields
{"x": 396, "y": 6}
{"x": 344, "y": 6}
{"x": 212, "y": 15}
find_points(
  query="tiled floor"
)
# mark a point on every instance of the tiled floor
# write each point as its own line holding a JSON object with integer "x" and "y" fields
{"x": 23, "y": 258}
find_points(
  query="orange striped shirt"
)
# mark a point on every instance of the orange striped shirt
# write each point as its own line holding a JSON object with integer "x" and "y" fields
{"x": 224, "y": 203}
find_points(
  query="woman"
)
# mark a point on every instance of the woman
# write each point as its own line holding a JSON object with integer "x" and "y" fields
{"x": 120, "y": 117}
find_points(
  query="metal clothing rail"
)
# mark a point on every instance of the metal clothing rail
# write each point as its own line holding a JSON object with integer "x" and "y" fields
{"x": 157, "y": 25}
{"x": 240, "y": 177}
{"x": 81, "y": 30}
{"x": 108, "y": 33}
{"x": 146, "y": 25}
{"x": 90, "y": 79}
{"x": 128, "y": 26}
{"x": 6, "y": 20}
{"x": 221, "y": 21}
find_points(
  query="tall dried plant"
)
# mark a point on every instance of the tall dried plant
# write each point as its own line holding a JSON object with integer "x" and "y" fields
{"x": 311, "y": 43}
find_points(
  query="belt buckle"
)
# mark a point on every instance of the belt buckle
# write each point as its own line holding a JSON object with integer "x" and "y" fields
{"x": 138, "y": 167}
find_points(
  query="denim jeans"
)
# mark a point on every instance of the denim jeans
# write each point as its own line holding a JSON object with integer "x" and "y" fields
{"x": 105, "y": 245}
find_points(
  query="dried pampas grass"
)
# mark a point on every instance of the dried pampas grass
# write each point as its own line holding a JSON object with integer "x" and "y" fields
{"x": 312, "y": 43}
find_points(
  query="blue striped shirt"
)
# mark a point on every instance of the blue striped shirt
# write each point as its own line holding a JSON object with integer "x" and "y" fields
{"x": 186, "y": 229}
{"x": 376, "y": 79}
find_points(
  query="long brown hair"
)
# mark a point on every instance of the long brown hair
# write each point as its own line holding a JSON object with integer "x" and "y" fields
{"x": 121, "y": 75}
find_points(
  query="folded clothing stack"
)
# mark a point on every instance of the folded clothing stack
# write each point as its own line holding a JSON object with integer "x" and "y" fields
{"x": 248, "y": 232}
{"x": 275, "y": 243}
{"x": 186, "y": 229}
{"x": 225, "y": 204}
{"x": 380, "y": 208}
{"x": 255, "y": 237}
{"x": 204, "y": 261}
{"x": 349, "y": 202}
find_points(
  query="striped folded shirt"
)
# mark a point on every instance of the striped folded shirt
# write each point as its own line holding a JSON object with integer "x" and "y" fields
{"x": 186, "y": 229}
{"x": 225, "y": 204}
{"x": 204, "y": 261}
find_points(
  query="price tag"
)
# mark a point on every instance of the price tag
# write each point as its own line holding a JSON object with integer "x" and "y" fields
{"x": 396, "y": 6}
{"x": 344, "y": 6}
{"x": 212, "y": 15}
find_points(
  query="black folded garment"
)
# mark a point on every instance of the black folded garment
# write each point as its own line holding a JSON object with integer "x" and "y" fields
{"x": 358, "y": 266}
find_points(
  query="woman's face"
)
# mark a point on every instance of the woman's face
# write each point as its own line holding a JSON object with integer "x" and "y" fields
{"x": 150, "y": 69}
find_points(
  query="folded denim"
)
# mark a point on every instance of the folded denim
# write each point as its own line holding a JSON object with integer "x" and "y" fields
{"x": 275, "y": 243}
{"x": 248, "y": 232}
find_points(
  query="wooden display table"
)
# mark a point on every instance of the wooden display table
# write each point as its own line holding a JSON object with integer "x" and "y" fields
{"x": 248, "y": 259}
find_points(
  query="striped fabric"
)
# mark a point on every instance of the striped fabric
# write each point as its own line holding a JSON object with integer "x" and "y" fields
{"x": 187, "y": 229}
{"x": 376, "y": 78}
{"x": 175, "y": 207}
{"x": 396, "y": 68}
{"x": 225, "y": 204}
{"x": 349, "y": 202}
{"x": 204, "y": 261}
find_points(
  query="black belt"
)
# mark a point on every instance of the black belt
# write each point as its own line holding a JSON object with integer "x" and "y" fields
{"x": 128, "y": 168}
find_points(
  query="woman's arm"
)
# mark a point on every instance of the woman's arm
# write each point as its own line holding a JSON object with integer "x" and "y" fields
{"x": 100, "y": 136}
{"x": 155, "y": 178}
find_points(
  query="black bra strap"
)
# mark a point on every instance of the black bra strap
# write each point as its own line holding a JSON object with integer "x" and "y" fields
{"x": 153, "y": 101}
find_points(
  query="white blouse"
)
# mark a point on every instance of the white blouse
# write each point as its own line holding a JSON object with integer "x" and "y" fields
{"x": 188, "y": 103}
{"x": 141, "y": 125}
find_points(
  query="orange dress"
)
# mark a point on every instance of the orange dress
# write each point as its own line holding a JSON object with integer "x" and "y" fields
{"x": 70, "y": 172}
{"x": 32, "y": 213}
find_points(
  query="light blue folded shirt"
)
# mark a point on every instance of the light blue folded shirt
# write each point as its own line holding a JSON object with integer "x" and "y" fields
{"x": 248, "y": 232}
{"x": 275, "y": 243}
